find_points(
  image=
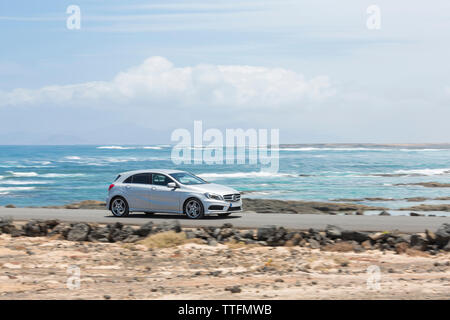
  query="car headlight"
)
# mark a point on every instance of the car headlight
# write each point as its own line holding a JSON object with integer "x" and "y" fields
{"x": 213, "y": 196}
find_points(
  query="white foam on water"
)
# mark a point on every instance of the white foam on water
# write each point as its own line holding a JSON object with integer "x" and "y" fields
{"x": 62, "y": 175}
{"x": 7, "y": 189}
{"x": 152, "y": 148}
{"x": 116, "y": 147}
{"x": 425, "y": 172}
{"x": 72, "y": 158}
{"x": 23, "y": 174}
{"x": 23, "y": 182}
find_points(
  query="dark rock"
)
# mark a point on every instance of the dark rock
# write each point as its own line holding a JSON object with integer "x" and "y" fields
{"x": 443, "y": 235}
{"x": 145, "y": 229}
{"x": 355, "y": 235}
{"x": 10, "y": 206}
{"x": 51, "y": 223}
{"x": 225, "y": 233}
{"x": 384, "y": 213}
{"x": 274, "y": 236}
{"x": 121, "y": 234}
{"x": 79, "y": 232}
{"x": 6, "y": 225}
{"x": 417, "y": 241}
{"x": 35, "y": 228}
{"x": 359, "y": 212}
{"x": 314, "y": 244}
{"x": 99, "y": 234}
{"x": 415, "y": 214}
{"x": 201, "y": 233}
{"x": 333, "y": 232}
{"x": 447, "y": 247}
{"x": 247, "y": 234}
{"x": 169, "y": 226}
{"x": 233, "y": 289}
{"x": 226, "y": 226}
{"x": 61, "y": 228}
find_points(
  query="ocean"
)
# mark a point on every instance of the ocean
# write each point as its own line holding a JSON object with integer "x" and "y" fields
{"x": 57, "y": 175}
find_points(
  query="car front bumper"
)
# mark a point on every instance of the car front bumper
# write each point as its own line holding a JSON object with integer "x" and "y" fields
{"x": 217, "y": 206}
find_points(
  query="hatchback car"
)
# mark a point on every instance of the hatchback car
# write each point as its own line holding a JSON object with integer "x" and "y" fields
{"x": 170, "y": 191}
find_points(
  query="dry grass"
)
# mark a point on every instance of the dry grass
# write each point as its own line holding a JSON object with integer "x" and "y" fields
{"x": 167, "y": 239}
{"x": 339, "y": 247}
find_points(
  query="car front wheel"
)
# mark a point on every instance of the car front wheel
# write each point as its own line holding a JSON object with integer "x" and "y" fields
{"x": 193, "y": 209}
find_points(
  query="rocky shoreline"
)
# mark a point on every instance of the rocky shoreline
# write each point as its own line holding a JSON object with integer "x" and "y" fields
{"x": 332, "y": 238}
{"x": 166, "y": 261}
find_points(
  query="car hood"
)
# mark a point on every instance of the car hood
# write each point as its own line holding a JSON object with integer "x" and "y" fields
{"x": 213, "y": 188}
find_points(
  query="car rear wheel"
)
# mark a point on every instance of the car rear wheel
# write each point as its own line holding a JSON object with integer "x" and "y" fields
{"x": 193, "y": 209}
{"x": 119, "y": 207}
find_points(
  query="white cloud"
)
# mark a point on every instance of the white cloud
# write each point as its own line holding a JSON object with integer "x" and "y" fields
{"x": 157, "y": 82}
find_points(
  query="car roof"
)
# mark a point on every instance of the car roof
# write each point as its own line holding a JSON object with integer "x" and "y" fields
{"x": 163, "y": 171}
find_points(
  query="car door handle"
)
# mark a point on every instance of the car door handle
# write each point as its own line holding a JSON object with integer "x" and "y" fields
{"x": 128, "y": 187}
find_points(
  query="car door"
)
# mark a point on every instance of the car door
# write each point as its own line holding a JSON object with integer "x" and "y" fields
{"x": 137, "y": 190}
{"x": 164, "y": 199}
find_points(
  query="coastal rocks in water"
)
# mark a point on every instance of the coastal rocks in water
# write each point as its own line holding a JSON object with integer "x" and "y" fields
{"x": 79, "y": 232}
{"x": 10, "y": 206}
{"x": 384, "y": 213}
{"x": 302, "y": 207}
{"x": 428, "y": 207}
{"x": 415, "y": 214}
{"x": 426, "y": 184}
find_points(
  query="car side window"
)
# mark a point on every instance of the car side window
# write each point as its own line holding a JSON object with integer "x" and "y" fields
{"x": 160, "y": 179}
{"x": 141, "y": 178}
{"x": 129, "y": 179}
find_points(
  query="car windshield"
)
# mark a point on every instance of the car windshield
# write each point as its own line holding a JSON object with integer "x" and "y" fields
{"x": 187, "y": 178}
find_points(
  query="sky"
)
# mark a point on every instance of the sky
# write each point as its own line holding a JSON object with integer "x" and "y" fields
{"x": 137, "y": 70}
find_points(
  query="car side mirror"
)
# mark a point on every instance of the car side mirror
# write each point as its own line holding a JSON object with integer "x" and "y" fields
{"x": 172, "y": 185}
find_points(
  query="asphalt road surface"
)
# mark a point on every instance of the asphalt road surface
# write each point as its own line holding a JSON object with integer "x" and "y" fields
{"x": 239, "y": 220}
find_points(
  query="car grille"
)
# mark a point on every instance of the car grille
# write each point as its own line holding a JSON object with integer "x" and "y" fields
{"x": 234, "y": 209}
{"x": 232, "y": 197}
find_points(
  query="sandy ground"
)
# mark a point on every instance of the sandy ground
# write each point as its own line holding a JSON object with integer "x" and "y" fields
{"x": 43, "y": 268}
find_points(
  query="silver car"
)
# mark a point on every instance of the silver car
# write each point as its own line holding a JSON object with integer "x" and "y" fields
{"x": 170, "y": 191}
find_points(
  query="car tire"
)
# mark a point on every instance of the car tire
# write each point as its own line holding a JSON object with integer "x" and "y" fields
{"x": 119, "y": 207}
{"x": 193, "y": 209}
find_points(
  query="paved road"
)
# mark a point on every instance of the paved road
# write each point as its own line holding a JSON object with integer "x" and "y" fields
{"x": 240, "y": 220}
